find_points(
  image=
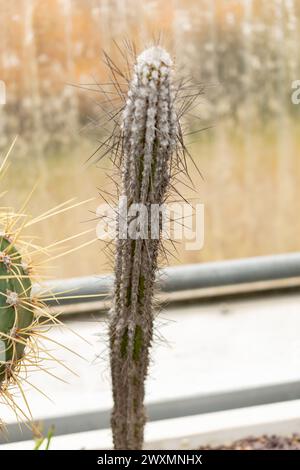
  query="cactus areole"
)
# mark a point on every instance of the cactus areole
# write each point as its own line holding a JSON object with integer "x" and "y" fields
{"x": 148, "y": 141}
{"x": 15, "y": 316}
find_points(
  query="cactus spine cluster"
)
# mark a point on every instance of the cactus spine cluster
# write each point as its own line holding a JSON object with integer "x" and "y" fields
{"x": 148, "y": 141}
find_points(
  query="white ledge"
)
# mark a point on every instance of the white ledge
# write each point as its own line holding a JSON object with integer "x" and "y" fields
{"x": 191, "y": 431}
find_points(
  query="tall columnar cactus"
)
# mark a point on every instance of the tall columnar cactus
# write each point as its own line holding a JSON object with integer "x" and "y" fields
{"x": 148, "y": 141}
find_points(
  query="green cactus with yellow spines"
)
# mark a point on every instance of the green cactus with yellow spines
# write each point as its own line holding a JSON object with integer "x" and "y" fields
{"x": 25, "y": 318}
{"x": 16, "y": 317}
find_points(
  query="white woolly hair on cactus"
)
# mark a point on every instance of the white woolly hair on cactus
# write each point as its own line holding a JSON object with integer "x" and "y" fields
{"x": 146, "y": 144}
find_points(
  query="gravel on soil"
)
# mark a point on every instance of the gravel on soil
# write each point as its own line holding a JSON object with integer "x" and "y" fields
{"x": 262, "y": 443}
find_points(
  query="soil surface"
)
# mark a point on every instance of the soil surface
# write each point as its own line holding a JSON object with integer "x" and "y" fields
{"x": 262, "y": 443}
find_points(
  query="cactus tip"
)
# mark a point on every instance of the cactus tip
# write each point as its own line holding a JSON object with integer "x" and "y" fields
{"x": 155, "y": 57}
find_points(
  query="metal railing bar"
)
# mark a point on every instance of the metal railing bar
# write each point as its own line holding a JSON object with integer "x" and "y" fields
{"x": 180, "y": 278}
{"x": 194, "y": 405}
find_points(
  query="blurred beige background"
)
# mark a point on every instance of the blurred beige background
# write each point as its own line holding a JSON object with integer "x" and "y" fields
{"x": 245, "y": 55}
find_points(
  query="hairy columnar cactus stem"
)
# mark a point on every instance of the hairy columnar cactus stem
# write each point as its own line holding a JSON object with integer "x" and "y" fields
{"x": 148, "y": 141}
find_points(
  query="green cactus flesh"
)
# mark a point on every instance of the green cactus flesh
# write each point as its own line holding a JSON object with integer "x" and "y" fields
{"x": 15, "y": 317}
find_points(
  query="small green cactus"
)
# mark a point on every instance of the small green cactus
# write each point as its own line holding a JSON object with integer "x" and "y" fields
{"x": 24, "y": 317}
{"x": 148, "y": 141}
{"x": 16, "y": 317}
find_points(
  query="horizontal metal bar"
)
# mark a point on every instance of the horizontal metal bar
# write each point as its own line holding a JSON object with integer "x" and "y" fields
{"x": 189, "y": 406}
{"x": 181, "y": 278}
